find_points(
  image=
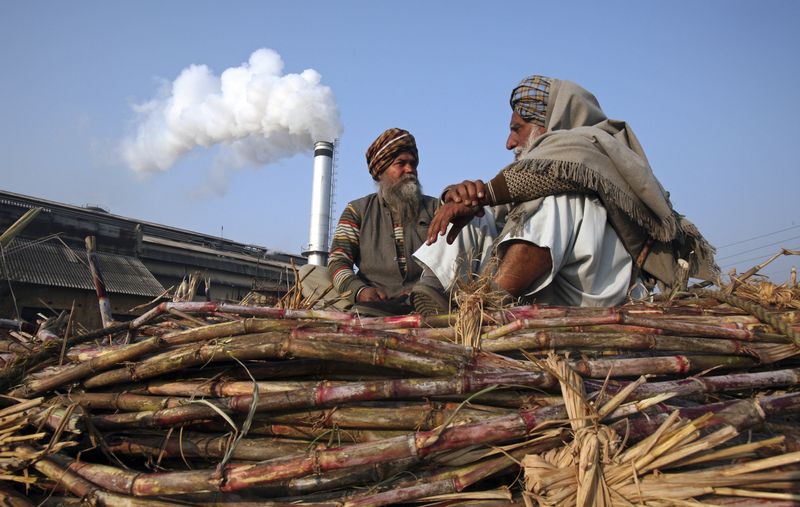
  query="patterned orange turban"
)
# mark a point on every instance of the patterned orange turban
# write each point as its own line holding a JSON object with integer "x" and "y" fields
{"x": 386, "y": 147}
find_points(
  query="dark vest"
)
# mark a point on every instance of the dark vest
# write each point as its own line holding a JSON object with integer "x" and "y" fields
{"x": 377, "y": 259}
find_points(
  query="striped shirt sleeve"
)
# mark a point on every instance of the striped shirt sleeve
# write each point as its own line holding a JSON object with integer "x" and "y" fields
{"x": 345, "y": 253}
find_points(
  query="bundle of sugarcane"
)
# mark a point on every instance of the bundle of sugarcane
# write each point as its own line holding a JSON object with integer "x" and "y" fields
{"x": 220, "y": 404}
{"x": 594, "y": 469}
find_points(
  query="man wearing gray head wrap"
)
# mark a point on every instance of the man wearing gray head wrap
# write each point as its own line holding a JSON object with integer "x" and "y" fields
{"x": 587, "y": 215}
{"x": 529, "y": 99}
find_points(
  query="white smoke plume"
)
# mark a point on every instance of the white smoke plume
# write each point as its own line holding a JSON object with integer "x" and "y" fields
{"x": 255, "y": 112}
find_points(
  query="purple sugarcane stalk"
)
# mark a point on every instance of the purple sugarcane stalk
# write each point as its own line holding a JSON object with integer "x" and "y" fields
{"x": 99, "y": 283}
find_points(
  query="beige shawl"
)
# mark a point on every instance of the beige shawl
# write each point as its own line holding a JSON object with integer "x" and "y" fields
{"x": 583, "y": 148}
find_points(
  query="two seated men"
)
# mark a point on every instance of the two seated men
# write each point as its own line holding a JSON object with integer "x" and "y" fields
{"x": 576, "y": 219}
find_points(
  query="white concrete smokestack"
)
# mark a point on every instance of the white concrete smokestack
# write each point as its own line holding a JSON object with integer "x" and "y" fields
{"x": 317, "y": 252}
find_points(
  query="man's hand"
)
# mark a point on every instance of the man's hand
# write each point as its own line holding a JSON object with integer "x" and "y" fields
{"x": 458, "y": 214}
{"x": 370, "y": 294}
{"x": 468, "y": 192}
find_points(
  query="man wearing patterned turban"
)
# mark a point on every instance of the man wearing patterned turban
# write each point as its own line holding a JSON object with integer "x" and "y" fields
{"x": 588, "y": 219}
{"x": 379, "y": 232}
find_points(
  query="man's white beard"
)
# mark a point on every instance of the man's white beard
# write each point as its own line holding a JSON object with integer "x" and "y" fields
{"x": 525, "y": 148}
{"x": 402, "y": 197}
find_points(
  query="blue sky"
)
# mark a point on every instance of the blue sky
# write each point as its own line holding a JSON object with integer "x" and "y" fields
{"x": 710, "y": 88}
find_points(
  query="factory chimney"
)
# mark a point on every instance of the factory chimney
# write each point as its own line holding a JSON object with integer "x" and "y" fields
{"x": 317, "y": 252}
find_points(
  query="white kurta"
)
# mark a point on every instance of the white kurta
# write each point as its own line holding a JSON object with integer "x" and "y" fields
{"x": 590, "y": 266}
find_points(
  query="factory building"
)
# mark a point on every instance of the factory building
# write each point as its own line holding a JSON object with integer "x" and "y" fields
{"x": 45, "y": 268}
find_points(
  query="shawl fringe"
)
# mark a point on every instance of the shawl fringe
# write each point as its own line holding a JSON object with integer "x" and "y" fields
{"x": 664, "y": 230}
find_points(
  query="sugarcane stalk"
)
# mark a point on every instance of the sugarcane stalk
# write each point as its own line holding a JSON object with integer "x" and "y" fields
{"x": 564, "y": 340}
{"x": 344, "y": 319}
{"x": 264, "y": 371}
{"x": 99, "y": 283}
{"x": 412, "y": 321}
{"x": 663, "y": 365}
{"x": 533, "y": 312}
{"x": 614, "y": 328}
{"x": 489, "y": 362}
{"x": 517, "y": 325}
{"x": 284, "y": 396}
{"x": 17, "y": 325}
{"x": 387, "y": 415}
{"x": 18, "y": 226}
{"x": 473, "y": 500}
{"x": 11, "y": 498}
{"x": 253, "y": 346}
{"x": 732, "y": 321}
{"x": 108, "y": 478}
{"x": 213, "y": 331}
{"x": 47, "y": 334}
{"x": 325, "y": 499}
{"x": 14, "y": 347}
{"x": 433, "y": 333}
{"x": 739, "y": 414}
{"x": 83, "y": 353}
{"x": 450, "y": 481}
{"x": 705, "y": 326}
{"x": 734, "y": 501}
{"x": 221, "y": 389}
{"x": 328, "y": 481}
{"x": 59, "y": 418}
{"x": 295, "y": 367}
{"x": 339, "y": 434}
{"x": 271, "y": 346}
{"x": 690, "y": 329}
{"x": 227, "y": 329}
{"x": 192, "y": 321}
{"x": 209, "y": 307}
{"x": 392, "y": 416}
{"x": 510, "y": 398}
{"x": 127, "y": 402}
{"x": 80, "y": 370}
{"x": 395, "y": 341}
{"x": 225, "y": 388}
{"x": 683, "y": 312}
{"x": 713, "y": 384}
{"x": 778, "y": 324}
{"x": 321, "y": 482}
{"x": 86, "y": 490}
{"x": 197, "y": 445}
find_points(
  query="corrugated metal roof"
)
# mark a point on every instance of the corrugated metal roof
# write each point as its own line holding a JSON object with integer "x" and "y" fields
{"x": 149, "y": 228}
{"x": 55, "y": 264}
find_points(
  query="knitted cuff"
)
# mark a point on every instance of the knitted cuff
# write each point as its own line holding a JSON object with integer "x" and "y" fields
{"x": 497, "y": 190}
